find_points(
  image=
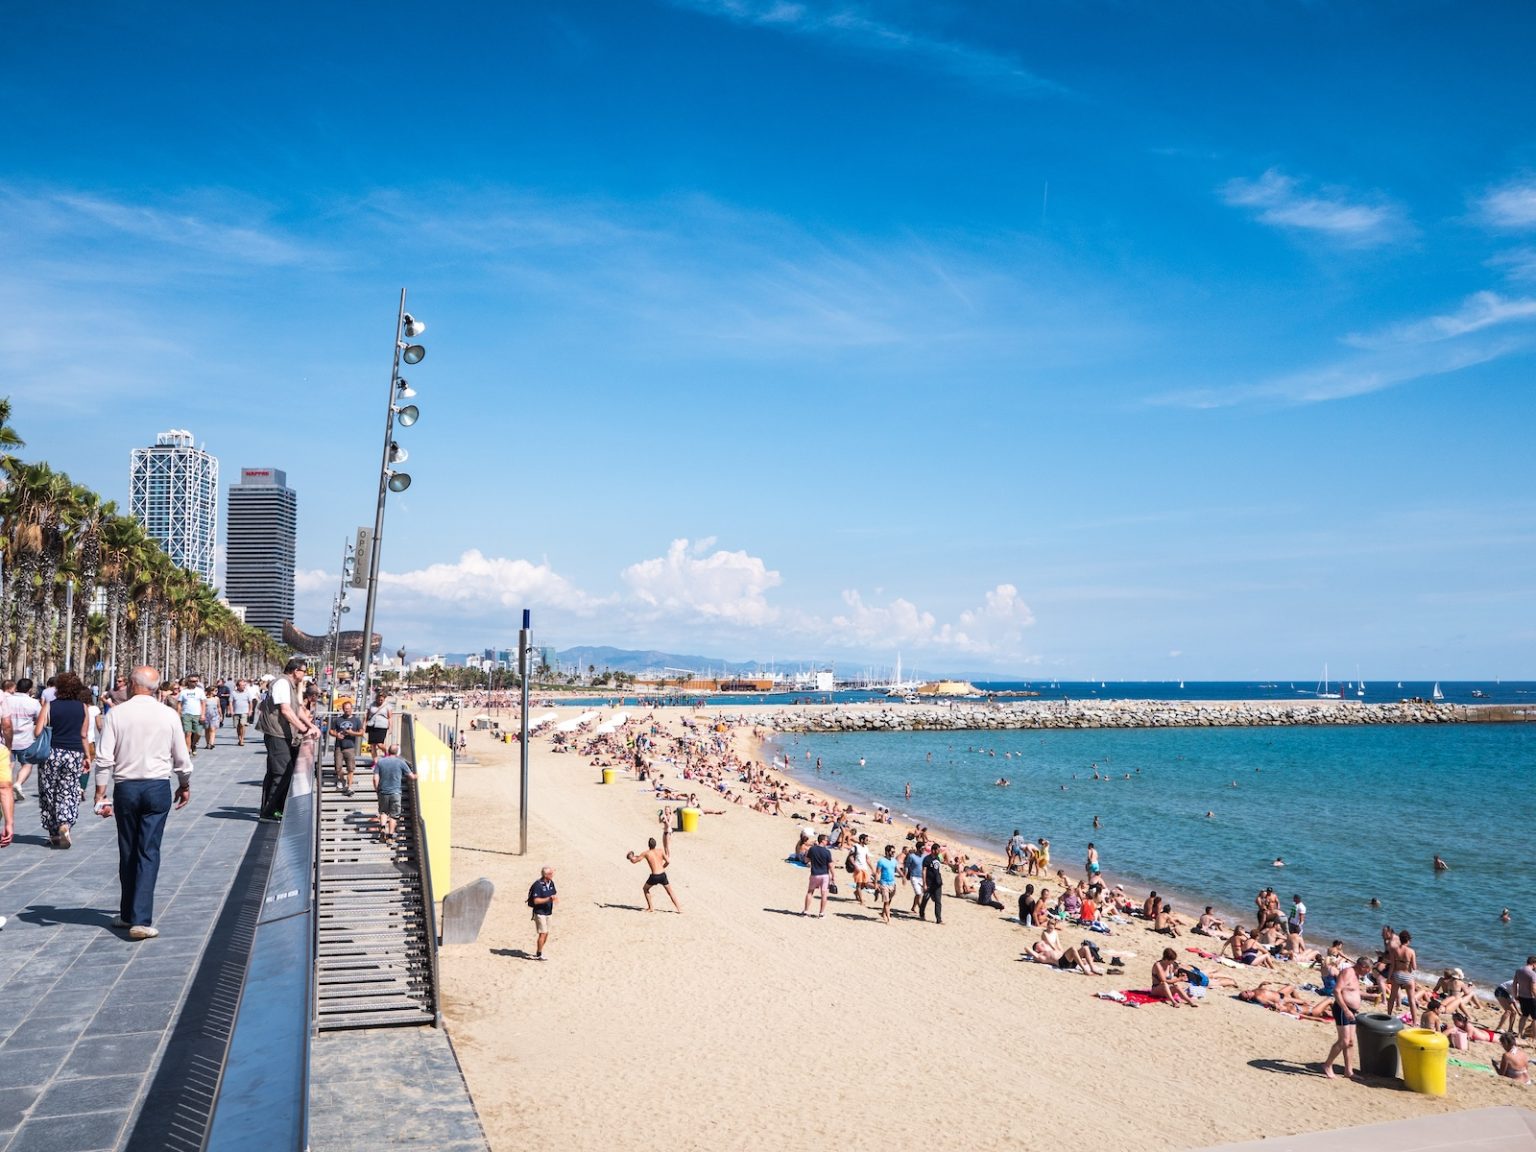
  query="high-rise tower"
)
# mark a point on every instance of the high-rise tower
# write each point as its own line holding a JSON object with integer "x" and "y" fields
{"x": 259, "y": 548}
{"x": 174, "y": 494}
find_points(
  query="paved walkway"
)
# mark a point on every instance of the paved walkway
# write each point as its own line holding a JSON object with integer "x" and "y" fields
{"x": 95, "y": 1052}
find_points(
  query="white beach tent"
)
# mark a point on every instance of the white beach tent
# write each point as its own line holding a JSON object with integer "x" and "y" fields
{"x": 612, "y": 724}
{"x": 575, "y": 722}
{"x": 539, "y": 721}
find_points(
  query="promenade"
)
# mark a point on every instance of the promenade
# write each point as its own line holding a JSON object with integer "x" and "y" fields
{"x": 108, "y": 1043}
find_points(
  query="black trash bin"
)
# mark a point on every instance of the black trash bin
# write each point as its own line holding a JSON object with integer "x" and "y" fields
{"x": 1376, "y": 1036}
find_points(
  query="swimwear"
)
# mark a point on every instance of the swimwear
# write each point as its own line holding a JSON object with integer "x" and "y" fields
{"x": 1403, "y": 979}
{"x": 1093, "y": 868}
{"x": 1338, "y": 1015}
{"x": 1527, "y": 1007}
{"x": 657, "y": 878}
{"x": 1066, "y": 962}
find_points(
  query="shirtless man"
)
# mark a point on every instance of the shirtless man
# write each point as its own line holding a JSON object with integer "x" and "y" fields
{"x": 657, "y": 859}
{"x": 1346, "y": 1006}
{"x": 1210, "y": 924}
{"x": 1276, "y": 997}
{"x": 1514, "y": 1063}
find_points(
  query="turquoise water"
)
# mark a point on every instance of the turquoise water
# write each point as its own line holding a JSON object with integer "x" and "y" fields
{"x": 1355, "y": 813}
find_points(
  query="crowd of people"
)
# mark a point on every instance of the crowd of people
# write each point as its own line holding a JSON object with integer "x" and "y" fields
{"x": 845, "y": 855}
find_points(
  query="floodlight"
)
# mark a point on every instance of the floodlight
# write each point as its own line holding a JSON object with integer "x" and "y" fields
{"x": 413, "y": 326}
{"x": 408, "y": 415}
{"x": 399, "y": 481}
{"x": 413, "y": 353}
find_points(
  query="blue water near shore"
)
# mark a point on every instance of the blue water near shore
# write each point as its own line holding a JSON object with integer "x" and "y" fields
{"x": 1355, "y": 812}
{"x": 1387, "y": 691}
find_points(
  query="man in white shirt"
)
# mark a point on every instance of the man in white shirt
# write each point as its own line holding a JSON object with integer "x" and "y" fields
{"x": 22, "y": 708}
{"x": 192, "y": 700}
{"x": 141, "y": 746}
{"x": 241, "y": 701}
{"x": 282, "y": 729}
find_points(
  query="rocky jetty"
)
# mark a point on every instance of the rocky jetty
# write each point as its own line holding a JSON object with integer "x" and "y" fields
{"x": 1111, "y": 714}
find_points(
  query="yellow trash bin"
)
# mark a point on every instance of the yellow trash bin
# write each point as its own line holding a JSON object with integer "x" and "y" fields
{"x": 1423, "y": 1053}
{"x": 609, "y": 775}
{"x": 690, "y": 817}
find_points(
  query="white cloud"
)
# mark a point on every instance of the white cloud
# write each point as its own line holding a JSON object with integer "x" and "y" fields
{"x": 1175, "y": 653}
{"x": 1278, "y": 199}
{"x": 690, "y": 580}
{"x": 1479, "y": 311}
{"x": 851, "y": 26}
{"x": 476, "y": 581}
{"x": 1511, "y": 205}
{"x": 995, "y": 627}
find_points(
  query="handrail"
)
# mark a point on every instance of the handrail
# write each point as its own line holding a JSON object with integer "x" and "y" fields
{"x": 262, "y": 1099}
{"x": 424, "y": 862}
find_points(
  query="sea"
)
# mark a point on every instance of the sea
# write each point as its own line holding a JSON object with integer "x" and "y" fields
{"x": 1355, "y": 813}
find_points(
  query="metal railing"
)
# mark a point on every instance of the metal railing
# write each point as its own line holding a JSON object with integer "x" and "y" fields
{"x": 419, "y": 836}
{"x": 262, "y": 1101}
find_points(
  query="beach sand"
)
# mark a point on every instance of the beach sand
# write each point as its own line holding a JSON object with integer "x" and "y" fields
{"x": 741, "y": 1023}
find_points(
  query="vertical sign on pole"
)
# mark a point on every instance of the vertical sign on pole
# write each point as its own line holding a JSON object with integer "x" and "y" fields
{"x": 523, "y": 662}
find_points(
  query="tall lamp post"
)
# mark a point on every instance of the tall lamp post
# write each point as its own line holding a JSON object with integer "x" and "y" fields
{"x": 407, "y": 327}
{"x": 339, "y": 608}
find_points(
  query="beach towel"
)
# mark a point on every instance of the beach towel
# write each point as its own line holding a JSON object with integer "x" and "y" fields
{"x": 1202, "y": 953}
{"x": 1140, "y": 996}
{"x": 1117, "y": 997}
{"x": 1472, "y": 1066}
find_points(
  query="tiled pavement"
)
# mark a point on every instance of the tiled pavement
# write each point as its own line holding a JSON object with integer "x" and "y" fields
{"x": 96, "y": 1049}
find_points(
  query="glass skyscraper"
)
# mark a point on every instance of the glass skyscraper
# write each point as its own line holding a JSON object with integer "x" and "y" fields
{"x": 259, "y": 548}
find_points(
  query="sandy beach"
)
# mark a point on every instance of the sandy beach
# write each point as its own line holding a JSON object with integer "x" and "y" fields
{"x": 741, "y": 1022}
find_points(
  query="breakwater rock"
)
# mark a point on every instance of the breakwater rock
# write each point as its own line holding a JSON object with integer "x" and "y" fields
{"x": 1112, "y": 714}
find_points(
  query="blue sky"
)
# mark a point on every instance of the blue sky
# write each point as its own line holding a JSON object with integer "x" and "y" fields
{"x": 1074, "y": 339}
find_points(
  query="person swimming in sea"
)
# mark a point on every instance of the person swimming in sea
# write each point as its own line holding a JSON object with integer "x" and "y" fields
{"x": 1504, "y": 916}
{"x": 1373, "y": 903}
{"x": 1441, "y": 865}
{"x": 1279, "y": 863}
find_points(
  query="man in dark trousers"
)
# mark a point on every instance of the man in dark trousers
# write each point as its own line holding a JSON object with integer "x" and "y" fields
{"x": 141, "y": 746}
{"x": 282, "y": 728}
{"x": 933, "y": 886}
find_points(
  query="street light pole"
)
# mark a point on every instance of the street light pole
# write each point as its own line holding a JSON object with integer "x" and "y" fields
{"x": 523, "y": 653}
{"x": 389, "y": 480}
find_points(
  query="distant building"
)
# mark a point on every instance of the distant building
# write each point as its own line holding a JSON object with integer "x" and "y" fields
{"x": 173, "y": 492}
{"x": 259, "y": 548}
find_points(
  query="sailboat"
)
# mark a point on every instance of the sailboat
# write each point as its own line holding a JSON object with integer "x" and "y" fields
{"x": 1359, "y": 684}
{"x": 1322, "y": 689}
{"x": 1437, "y": 694}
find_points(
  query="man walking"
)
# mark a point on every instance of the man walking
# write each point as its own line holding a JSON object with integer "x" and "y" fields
{"x": 141, "y": 745}
{"x": 241, "y": 701}
{"x": 282, "y": 730}
{"x": 542, "y": 899}
{"x": 346, "y": 728}
{"x": 193, "y": 701}
{"x": 819, "y": 856}
{"x": 390, "y": 772}
{"x": 933, "y": 886}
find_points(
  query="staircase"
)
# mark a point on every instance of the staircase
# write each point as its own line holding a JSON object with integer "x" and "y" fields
{"x": 374, "y": 945}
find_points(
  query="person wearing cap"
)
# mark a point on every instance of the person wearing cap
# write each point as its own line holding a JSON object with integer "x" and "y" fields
{"x": 283, "y": 727}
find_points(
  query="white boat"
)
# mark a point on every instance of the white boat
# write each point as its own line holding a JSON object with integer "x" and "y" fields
{"x": 1437, "y": 694}
{"x": 1322, "y": 689}
{"x": 1181, "y": 684}
{"x": 1359, "y": 684}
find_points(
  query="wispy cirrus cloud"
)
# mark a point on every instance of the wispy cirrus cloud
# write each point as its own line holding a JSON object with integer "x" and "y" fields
{"x": 218, "y": 231}
{"x": 852, "y": 27}
{"x": 1480, "y": 311}
{"x": 1510, "y": 206}
{"x": 1284, "y": 202}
